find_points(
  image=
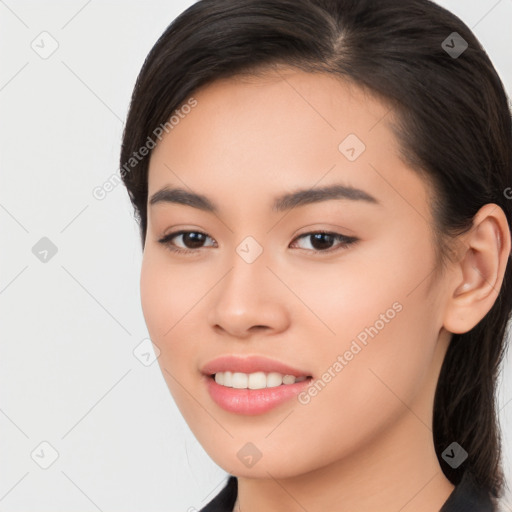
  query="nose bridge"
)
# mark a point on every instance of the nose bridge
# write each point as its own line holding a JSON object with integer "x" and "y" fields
{"x": 250, "y": 250}
{"x": 243, "y": 299}
{"x": 248, "y": 264}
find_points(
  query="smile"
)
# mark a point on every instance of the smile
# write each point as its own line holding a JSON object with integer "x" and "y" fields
{"x": 257, "y": 380}
{"x": 252, "y": 384}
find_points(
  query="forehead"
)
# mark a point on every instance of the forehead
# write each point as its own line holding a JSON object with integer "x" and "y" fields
{"x": 308, "y": 104}
{"x": 276, "y": 114}
{"x": 281, "y": 130}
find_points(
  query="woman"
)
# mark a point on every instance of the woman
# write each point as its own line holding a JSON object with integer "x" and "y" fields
{"x": 321, "y": 187}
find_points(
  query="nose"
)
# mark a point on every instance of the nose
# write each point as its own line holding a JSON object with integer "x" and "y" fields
{"x": 248, "y": 300}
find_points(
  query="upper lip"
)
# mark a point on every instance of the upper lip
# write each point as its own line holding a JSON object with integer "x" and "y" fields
{"x": 250, "y": 364}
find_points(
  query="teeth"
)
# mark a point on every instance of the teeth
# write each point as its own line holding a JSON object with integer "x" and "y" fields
{"x": 258, "y": 380}
{"x": 274, "y": 379}
{"x": 288, "y": 379}
{"x": 240, "y": 380}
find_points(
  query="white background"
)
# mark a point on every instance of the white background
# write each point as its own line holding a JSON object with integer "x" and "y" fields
{"x": 68, "y": 375}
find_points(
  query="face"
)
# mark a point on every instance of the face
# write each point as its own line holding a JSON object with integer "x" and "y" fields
{"x": 336, "y": 286}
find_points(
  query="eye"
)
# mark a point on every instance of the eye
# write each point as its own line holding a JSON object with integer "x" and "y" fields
{"x": 194, "y": 238}
{"x": 322, "y": 241}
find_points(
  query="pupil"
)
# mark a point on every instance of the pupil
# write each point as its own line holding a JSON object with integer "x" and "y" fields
{"x": 318, "y": 237}
{"x": 194, "y": 238}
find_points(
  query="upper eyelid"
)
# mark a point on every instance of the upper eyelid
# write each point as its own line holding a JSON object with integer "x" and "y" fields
{"x": 174, "y": 234}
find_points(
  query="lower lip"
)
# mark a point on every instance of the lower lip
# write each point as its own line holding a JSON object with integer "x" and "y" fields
{"x": 252, "y": 401}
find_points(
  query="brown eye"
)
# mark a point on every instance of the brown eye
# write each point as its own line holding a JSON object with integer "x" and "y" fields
{"x": 323, "y": 241}
{"x": 320, "y": 242}
{"x": 192, "y": 240}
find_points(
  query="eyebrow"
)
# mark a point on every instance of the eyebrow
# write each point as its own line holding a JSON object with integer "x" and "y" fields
{"x": 281, "y": 203}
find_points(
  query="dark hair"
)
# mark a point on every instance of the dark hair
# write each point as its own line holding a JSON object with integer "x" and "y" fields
{"x": 454, "y": 128}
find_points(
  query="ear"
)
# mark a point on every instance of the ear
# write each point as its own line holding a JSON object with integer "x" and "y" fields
{"x": 477, "y": 277}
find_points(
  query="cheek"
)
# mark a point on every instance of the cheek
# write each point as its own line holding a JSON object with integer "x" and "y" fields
{"x": 165, "y": 302}
{"x": 172, "y": 297}
{"x": 154, "y": 301}
{"x": 385, "y": 332}
{"x": 168, "y": 296}
{"x": 374, "y": 389}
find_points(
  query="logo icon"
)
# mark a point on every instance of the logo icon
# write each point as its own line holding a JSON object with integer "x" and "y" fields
{"x": 454, "y": 455}
{"x": 44, "y": 455}
{"x": 45, "y": 45}
{"x": 44, "y": 250}
{"x": 352, "y": 147}
{"x": 249, "y": 454}
{"x": 454, "y": 45}
{"x": 249, "y": 249}
{"x": 146, "y": 352}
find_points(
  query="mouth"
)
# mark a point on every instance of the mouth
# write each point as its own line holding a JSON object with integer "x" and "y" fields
{"x": 256, "y": 380}
{"x": 252, "y": 385}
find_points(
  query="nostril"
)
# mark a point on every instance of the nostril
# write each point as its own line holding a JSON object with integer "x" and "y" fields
{"x": 258, "y": 327}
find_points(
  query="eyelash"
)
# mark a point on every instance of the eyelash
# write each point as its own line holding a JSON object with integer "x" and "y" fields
{"x": 346, "y": 241}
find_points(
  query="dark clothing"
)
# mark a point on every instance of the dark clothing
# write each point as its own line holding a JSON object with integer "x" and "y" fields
{"x": 225, "y": 500}
{"x": 466, "y": 497}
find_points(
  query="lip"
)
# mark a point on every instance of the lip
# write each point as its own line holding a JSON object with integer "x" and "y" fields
{"x": 251, "y": 401}
{"x": 250, "y": 364}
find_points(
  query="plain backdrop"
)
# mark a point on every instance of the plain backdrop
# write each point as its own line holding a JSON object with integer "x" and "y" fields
{"x": 76, "y": 393}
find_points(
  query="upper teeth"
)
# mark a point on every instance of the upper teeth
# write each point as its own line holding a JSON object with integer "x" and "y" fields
{"x": 258, "y": 380}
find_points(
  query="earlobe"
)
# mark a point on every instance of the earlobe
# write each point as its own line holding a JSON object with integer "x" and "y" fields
{"x": 480, "y": 271}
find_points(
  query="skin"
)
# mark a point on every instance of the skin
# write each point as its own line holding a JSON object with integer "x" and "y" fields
{"x": 365, "y": 441}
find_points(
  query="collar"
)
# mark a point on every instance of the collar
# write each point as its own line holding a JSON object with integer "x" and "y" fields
{"x": 465, "y": 497}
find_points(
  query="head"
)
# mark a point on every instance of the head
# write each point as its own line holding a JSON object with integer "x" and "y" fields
{"x": 247, "y": 102}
